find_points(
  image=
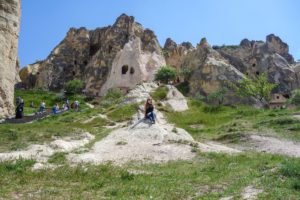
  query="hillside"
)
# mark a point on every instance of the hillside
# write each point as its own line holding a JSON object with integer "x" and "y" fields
{"x": 224, "y": 157}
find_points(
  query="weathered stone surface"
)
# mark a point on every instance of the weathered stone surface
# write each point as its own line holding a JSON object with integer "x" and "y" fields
{"x": 132, "y": 66}
{"x": 175, "y": 100}
{"x": 256, "y": 57}
{"x": 92, "y": 56}
{"x": 211, "y": 71}
{"x": 9, "y": 34}
{"x": 175, "y": 54}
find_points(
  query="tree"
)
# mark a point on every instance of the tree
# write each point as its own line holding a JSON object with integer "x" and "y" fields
{"x": 259, "y": 88}
{"x": 186, "y": 73}
{"x": 166, "y": 74}
{"x": 295, "y": 97}
{"x": 74, "y": 86}
{"x": 218, "y": 95}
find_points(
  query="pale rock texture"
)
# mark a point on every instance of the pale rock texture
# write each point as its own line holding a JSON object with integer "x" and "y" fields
{"x": 175, "y": 100}
{"x": 133, "y": 66}
{"x": 9, "y": 34}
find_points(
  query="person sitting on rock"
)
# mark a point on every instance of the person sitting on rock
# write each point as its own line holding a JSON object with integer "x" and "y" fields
{"x": 149, "y": 110}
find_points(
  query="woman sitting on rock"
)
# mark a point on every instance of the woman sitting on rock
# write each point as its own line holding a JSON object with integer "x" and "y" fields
{"x": 149, "y": 110}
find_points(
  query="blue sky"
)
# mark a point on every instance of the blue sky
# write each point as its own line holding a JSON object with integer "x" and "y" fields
{"x": 44, "y": 23}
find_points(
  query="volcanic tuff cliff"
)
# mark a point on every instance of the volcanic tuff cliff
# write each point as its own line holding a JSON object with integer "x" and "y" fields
{"x": 9, "y": 34}
{"x": 124, "y": 51}
{"x": 126, "y": 54}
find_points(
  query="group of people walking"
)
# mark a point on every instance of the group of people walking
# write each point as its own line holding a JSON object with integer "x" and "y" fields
{"x": 42, "y": 108}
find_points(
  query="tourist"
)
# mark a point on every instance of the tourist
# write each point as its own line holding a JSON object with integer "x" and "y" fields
{"x": 31, "y": 105}
{"x": 68, "y": 104}
{"x": 19, "y": 108}
{"x": 149, "y": 110}
{"x": 55, "y": 109}
{"x": 42, "y": 106}
{"x": 76, "y": 105}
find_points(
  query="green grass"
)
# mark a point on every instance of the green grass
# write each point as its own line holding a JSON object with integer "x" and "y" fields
{"x": 231, "y": 123}
{"x": 209, "y": 176}
{"x": 160, "y": 93}
{"x": 50, "y": 98}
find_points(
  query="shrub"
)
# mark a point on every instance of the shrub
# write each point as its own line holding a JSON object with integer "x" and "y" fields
{"x": 74, "y": 86}
{"x": 259, "y": 88}
{"x": 160, "y": 93}
{"x": 186, "y": 73}
{"x": 218, "y": 96}
{"x": 166, "y": 74}
{"x": 184, "y": 88}
{"x": 296, "y": 97}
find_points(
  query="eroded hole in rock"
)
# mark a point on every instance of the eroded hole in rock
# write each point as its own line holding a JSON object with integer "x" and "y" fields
{"x": 75, "y": 62}
{"x": 253, "y": 65}
{"x": 132, "y": 70}
{"x": 38, "y": 73}
{"x": 74, "y": 73}
{"x": 257, "y": 73}
{"x": 286, "y": 96}
{"x": 85, "y": 62}
{"x": 277, "y": 97}
{"x": 109, "y": 49}
{"x": 124, "y": 69}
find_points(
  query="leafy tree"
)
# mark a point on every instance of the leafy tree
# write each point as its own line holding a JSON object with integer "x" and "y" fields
{"x": 259, "y": 88}
{"x": 295, "y": 97}
{"x": 166, "y": 74}
{"x": 74, "y": 86}
{"x": 218, "y": 95}
{"x": 186, "y": 73}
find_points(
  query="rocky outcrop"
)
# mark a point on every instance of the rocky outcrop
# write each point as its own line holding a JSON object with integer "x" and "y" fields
{"x": 175, "y": 54}
{"x": 211, "y": 71}
{"x": 9, "y": 34}
{"x": 125, "y": 50}
{"x": 256, "y": 57}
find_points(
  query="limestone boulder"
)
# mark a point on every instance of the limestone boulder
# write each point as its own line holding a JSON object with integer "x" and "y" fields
{"x": 9, "y": 34}
{"x": 175, "y": 100}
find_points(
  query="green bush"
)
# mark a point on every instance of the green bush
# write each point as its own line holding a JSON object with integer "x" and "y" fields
{"x": 166, "y": 74}
{"x": 258, "y": 87}
{"x": 296, "y": 97}
{"x": 160, "y": 93}
{"x": 113, "y": 96}
{"x": 184, "y": 88}
{"x": 218, "y": 96}
{"x": 74, "y": 86}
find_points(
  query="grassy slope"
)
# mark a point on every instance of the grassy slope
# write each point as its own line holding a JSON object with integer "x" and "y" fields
{"x": 209, "y": 176}
{"x": 230, "y": 123}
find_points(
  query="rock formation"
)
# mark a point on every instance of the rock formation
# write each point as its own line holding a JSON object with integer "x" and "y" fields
{"x": 122, "y": 55}
{"x": 175, "y": 54}
{"x": 125, "y": 54}
{"x": 9, "y": 34}
{"x": 271, "y": 57}
{"x": 211, "y": 71}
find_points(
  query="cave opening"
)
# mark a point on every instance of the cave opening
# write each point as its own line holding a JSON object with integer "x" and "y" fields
{"x": 74, "y": 73}
{"x": 124, "y": 69}
{"x": 109, "y": 49}
{"x": 253, "y": 65}
{"x": 257, "y": 73}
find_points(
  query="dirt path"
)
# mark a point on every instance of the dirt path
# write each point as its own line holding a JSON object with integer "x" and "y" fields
{"x": 274, "y": 145}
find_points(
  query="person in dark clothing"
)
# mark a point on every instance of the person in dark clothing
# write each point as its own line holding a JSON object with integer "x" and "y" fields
{"x": 19, "y": 109}
{"x": 149, "y": 110}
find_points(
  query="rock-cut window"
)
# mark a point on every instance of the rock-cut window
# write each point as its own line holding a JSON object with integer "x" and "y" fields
{"x": 132, "y": 70}
{"x": 124, "y": 69}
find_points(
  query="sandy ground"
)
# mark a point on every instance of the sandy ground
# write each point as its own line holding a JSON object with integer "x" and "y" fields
{"x": 274, "y": 145}
{"x": 41, "y": 152}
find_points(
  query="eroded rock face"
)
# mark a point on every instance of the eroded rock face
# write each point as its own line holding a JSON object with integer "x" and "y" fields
{"x": 175, "y": 54}
{"x": 92, "y": 56}
{"x": 256, "y": 57}
{"x": 9, "y": 34}
{"x": 211, "y": 71}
